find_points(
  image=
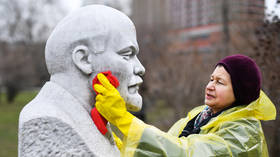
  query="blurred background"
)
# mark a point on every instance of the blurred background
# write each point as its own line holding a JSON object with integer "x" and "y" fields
{"x": 180, "y": 42}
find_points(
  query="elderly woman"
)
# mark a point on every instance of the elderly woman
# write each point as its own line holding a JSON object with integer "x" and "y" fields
{"x": 227, "y": 125}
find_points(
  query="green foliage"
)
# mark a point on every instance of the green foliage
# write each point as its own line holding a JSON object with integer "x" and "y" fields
{"x": 9, "y": 115}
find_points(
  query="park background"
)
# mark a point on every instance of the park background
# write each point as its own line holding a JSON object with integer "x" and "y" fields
{"x": 180, "y": 42}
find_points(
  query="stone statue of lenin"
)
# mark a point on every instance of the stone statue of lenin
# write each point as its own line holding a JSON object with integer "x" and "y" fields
{"x": 57, "y": 121}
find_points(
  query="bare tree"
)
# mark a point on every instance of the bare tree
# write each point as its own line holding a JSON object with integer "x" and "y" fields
{"x": 24, "y": 26}
{"x": 267, "y": 54}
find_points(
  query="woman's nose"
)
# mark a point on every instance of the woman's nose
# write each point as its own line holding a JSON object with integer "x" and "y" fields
{"x": 210, "y": 85}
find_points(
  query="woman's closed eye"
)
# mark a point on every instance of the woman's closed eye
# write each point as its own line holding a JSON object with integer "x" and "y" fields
{"x": 220, "y": 82}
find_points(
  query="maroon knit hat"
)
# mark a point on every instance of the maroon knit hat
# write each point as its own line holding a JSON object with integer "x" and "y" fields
{"x": 245, "y": 77}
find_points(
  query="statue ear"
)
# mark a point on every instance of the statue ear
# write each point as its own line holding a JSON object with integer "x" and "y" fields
{"x": 80, "y": 57}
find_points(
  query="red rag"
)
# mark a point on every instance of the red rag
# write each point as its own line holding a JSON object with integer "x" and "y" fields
{"x": 113, "y": 80}
{"x": 99, "y": 121}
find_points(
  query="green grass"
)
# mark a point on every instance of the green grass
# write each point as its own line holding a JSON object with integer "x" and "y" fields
{"x": 9, "y": 114}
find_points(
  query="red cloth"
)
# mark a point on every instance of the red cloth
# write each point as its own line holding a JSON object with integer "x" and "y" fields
{"x": 99, "y": 121}
{"x": 113, "y": 80}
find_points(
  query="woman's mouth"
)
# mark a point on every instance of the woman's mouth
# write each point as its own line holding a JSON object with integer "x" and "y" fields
{"x": 209, "y": 96}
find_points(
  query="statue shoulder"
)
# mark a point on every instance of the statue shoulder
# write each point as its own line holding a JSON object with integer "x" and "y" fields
{"x": 50, "y": 136}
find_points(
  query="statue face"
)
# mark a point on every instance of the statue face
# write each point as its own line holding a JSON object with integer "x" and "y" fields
{"x": 120, "y": 57}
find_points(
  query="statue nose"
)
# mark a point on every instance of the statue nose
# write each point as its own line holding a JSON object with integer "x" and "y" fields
{"x": 139, "y": 70}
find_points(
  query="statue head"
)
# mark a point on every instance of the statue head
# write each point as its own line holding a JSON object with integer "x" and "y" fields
{"x": 94, "y": 39}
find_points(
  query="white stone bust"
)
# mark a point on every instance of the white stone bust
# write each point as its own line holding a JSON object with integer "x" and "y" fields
{"x": 57, "y": 121}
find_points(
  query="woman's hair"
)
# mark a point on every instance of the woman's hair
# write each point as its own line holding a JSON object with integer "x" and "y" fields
{"x": 245, "y": 77}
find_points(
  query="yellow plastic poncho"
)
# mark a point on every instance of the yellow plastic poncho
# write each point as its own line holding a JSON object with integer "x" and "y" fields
{"x": 235, "y": 132}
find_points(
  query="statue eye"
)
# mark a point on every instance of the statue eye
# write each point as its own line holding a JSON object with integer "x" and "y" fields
{"x": 127, "y": 54}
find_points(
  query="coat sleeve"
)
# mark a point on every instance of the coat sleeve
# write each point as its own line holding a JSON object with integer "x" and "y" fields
{"x": 244, "y": 137}
{"x": 239, "y": 138}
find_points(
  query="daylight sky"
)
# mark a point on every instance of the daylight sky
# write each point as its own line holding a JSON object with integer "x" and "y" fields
{"x": 270, "y": 4}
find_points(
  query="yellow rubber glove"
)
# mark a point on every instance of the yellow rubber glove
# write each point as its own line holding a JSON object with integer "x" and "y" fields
{"x": 111, "y": 105}
{"x": 118, "y": 141}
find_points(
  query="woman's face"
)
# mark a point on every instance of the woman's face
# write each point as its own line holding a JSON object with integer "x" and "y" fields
{"x": 218, "y": 92}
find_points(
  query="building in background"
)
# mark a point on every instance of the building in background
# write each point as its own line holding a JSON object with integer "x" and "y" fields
{"x": 196, "y": 24}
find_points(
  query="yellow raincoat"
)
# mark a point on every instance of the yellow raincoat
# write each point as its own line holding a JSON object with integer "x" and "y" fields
{"x": 235, "y": 132}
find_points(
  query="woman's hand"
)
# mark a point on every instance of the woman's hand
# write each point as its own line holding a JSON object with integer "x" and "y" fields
{"x": 111, "y": 105}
